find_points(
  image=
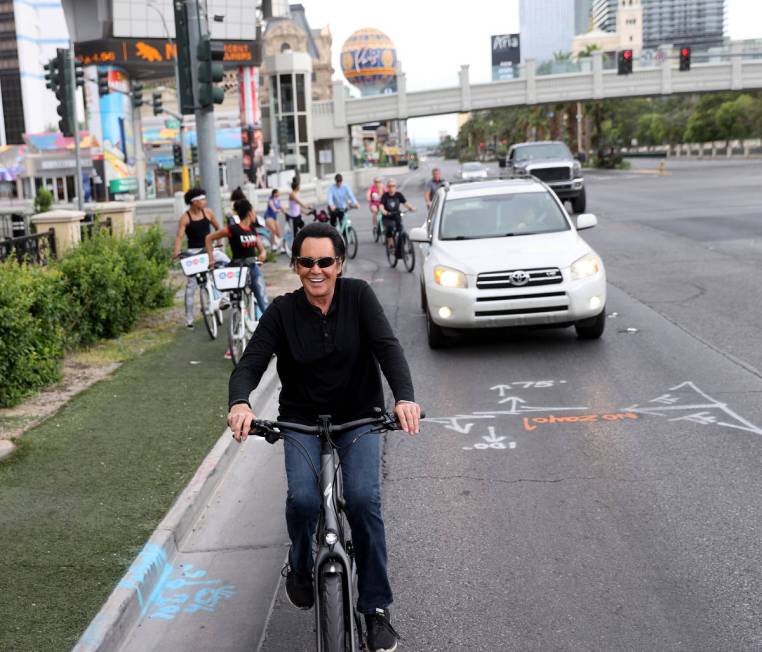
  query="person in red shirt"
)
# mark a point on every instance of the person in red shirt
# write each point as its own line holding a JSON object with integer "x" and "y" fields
{"x": 373, "y": 197}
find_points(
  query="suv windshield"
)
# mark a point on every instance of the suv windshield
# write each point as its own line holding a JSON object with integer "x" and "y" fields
{"x": 541, "y": 151}
{"x": 498, "y": 216}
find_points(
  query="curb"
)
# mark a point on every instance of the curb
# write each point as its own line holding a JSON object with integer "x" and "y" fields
{"x": 132, "y": 595}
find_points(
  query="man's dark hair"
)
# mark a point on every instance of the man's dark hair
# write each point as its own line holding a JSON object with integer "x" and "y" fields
{"x": 318, "y": 230}
{"x": 237, "y": 194}
{"x": 192, "y": 194}
{"x": 242, "y": 208}
{"x": 338, "y": 178}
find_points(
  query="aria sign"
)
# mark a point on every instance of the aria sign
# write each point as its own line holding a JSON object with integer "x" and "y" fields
{"x": 506, "y": 55}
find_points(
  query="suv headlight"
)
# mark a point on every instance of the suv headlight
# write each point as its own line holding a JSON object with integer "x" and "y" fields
{"x": 449, "y": 278}
{"x": 588, "y": 265}
{"x": 576, "y": 169}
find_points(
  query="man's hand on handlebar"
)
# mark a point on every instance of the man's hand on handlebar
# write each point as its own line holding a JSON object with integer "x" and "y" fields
{"x": 409, "y": 416}
{"x": 239, "y": 420}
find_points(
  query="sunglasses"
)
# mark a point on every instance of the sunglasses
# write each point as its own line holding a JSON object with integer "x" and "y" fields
{"x": 322, "y": 263}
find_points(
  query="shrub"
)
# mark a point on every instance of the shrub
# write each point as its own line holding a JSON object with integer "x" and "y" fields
{"x": 32, "y": 336}
{"x": 43, "y": 200}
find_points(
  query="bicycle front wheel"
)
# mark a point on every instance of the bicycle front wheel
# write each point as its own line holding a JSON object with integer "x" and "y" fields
{"x": 236, "y": 334}
{"x": 408, "y": 252}
{"x": 333, "y": 627}
{"x": 351, "y": 242}
{"x": 391, "y": 252}
{"x": 376, "y": 232}
{"x": 210, "y": 321}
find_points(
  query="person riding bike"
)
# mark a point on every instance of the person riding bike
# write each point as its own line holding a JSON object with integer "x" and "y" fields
{"x": 295, "y": 206}
{"x": 271, "y": 218}
{"x": 432, "y": 185}
{"x": 340, "y": 198}
{"x": 196, "y": 223}
{"x": 391, "y": 202}
{"x": 330, "y": 336}
{"x": 245, "y": 245}
{"x": 373, "y": 197}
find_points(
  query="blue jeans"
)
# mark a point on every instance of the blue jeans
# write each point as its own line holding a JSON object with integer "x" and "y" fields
{"x": 257, "y": 282}
{"x": 362, "y": 493}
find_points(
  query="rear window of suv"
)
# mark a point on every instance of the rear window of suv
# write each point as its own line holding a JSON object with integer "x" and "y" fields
{"x": 499, "y": 216}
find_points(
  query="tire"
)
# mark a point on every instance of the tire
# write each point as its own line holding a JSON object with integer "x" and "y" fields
{"x": 408, "y": 252}
{"x": 435, "y": 335}
{"x": 579, "y": 203}
{"x": 332, "y": 624}
{"x": 351, "y": 242}
{"x": 423, "y": 298}
{"x": 236, "y": 343}
{"x": 220, "y": 316}
{"x": 376, "y": 232}
{"x": 591, "y": 329}
{"x": 391, "y": 254}
{"x": 288, "y": 239}
{"x": 210, "y": 321}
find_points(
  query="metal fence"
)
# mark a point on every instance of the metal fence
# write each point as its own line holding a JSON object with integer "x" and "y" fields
{"x": 90, "y": 224}
{"x": 36, "y": 249}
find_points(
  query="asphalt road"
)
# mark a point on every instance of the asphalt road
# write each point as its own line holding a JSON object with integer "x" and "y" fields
{"x": 565, "y": 495}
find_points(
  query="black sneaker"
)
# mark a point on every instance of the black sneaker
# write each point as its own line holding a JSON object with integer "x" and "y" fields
{"x": 299, "y": 588}
{"x": 190, "y": 326}
{"x": 381, "y": 634}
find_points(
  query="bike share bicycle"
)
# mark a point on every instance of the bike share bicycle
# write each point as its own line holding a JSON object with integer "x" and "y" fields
{"x": 243, "y": 307}
{"x": 347, "y": 231}
{"x": 338, "y": 623}
{"x": 403, "y": 247}
{"x": 197, "y": 265}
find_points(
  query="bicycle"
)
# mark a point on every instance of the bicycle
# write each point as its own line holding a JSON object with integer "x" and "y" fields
{"x": 403, "y": 247}
{"x": 338, "y": 623}
{"x": 243, "y": 308}
{"x": 347, "y": 231}
{"x": 197, "y": 266}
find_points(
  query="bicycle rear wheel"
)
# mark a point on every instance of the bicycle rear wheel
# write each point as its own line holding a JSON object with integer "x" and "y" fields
{"x": 236, "y": 336}
{"x": 391, "y": 252}
{"x": 210, "y": 321}
{"x": 408, "y": 252}
{"x": 351, "y": 242}
{"x": 333, "y": 629}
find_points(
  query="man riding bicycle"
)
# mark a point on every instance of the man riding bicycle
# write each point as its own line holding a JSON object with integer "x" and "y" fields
{"x": 340, "y": 198}
{"x": 330, "y": 337}
{"x": 391, "y": 202}
{"x": 432, "y": 185}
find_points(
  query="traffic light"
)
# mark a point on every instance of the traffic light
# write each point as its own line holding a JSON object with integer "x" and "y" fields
{"x": 177, "y": 154}
{"x": 210, "y": 71}
{"x": 103, "y": 88}
{"x": 52, "y": 74}
{"x": 65, "y": 93}
{"x": 79, "y": 74}
{"x": 282, "y": 134}
{"x": 685, "y": 58}
{"x": 624, "y": 62}
{"x": 156, "y": 103}
{"x": 194, "y": 154}
{"x": 137, "y": 95}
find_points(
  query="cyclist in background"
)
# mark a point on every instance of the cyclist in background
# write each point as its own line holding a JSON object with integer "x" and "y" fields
{"x": 340, "y": 198}
{"x": 432, "y": 185}
{"x": 271, "y": 218}
{"x": 391, "y": 204}
{"x": 330, "y": 336}
{"x": 246, "y": 246}
{"x": 373, "y": 197}
{"x": 295, "y": 206}
{"x": 196, "y": 223}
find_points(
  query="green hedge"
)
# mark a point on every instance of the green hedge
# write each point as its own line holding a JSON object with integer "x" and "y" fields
{"x": 97, "y": 290}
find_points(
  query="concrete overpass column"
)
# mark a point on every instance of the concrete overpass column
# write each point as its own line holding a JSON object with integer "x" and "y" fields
{"x": 401, "y": 95}
{"x": 339, "y": 110}
{"x": 597, "y": 75}
{"x": 530, "y": 72}
{"x": 465, "y": 89}
{"x": 665, "y": 53}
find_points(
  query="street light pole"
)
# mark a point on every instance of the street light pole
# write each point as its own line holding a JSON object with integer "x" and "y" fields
{"x": 185, "y": 173}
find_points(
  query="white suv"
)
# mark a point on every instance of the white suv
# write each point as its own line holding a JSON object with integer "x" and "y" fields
{"x": 505, "y": 253}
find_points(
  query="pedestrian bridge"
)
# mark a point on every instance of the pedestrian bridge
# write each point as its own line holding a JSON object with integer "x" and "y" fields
{"x": 735, "y": 71}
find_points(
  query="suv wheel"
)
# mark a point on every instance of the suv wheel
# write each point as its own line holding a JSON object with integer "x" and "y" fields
{"x": 436, "y": 337}
{"x": 591, "y": 329}
{"x": 579, "y": 203}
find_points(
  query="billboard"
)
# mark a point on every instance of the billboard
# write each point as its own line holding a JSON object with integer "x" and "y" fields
{"x": 506, "y": 55}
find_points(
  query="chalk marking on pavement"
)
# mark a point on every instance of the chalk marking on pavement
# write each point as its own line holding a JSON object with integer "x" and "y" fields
{"x": 491, "y": 441}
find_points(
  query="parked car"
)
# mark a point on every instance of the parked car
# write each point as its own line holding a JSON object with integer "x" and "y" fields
{"x": 473, "y": 170}
{"x": 506, "y": 253}
{"x": 551, "y": 162}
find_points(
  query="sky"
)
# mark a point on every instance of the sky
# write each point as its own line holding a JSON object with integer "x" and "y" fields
{"x": 434, "y": 38}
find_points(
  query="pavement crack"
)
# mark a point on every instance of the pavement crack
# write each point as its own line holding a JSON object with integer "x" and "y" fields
{"x": 519, "y": 480}
{"x": 267, "y": 546}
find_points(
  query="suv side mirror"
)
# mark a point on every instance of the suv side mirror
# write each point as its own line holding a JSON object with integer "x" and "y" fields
{"x": 419, "y": 234}
{"x": 586, "y": 221}
{"x": 581, "y": 157}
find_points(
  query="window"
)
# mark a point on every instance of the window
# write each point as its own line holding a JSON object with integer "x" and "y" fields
{"x": 300, "y": 99}
{"x": 287, "y": 93}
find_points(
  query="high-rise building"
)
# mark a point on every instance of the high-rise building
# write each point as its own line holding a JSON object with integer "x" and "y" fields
{"x": 547, "y": 27}
{"x": 698, "y": 23}
{"x": 604, "y": 14}
{"x": 583, "y": 16}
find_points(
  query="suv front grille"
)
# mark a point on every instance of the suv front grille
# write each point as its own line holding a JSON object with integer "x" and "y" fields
{"x": 516, "y": 278}
{"x": 552, "y": 174}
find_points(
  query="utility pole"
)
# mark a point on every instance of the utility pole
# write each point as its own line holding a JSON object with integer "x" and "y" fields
{"x": 198, "y": 31}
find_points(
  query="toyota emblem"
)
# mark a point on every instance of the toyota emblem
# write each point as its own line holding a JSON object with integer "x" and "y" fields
{"x": 519, "y": 277}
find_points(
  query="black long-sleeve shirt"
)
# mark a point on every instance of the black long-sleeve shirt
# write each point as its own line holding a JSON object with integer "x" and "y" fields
{"x": 328, "y": 364}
